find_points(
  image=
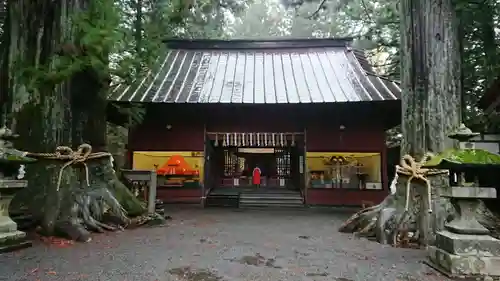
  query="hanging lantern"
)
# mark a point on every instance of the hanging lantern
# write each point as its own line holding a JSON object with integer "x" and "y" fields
{"x": 273, "y": 141}
{"x": 293, "y": 139}
{"x": 235, "y": 140}
{"x": 258, "y": 139}
{"x": 251, "y": 139}
{"x": 282, "y": 139}
{"x": 265, "y": 139}
{"x": 216, "y": 143}
{"x": 243, "y": 141}
{"x": 224, "y": 143}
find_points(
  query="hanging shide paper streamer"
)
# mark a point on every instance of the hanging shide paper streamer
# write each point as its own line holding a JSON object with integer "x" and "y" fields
{"x": 216, "y": 143}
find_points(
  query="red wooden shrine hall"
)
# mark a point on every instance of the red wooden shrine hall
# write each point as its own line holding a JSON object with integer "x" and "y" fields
{"x": 311, "y": 115}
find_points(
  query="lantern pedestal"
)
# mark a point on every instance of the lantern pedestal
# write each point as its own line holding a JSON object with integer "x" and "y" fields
{"x": 10, "y": 238}
{"x": 465, "y": 248}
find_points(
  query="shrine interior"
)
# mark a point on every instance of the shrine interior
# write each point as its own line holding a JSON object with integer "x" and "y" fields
{"x": 232, "y": 157}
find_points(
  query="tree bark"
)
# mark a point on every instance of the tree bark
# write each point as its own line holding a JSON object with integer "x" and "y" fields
{"x": 488, "y": 36}
{"x": 42, "y": 115}
{"x": 431, "y": 83}
{"x": 431, "y": 108}
{"x": 430, "y": 63}
{"x": 49, "y": 115}
{"x": 4, "y": 60}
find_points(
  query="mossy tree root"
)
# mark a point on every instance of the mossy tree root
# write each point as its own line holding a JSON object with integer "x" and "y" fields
{"x": 363, "y": 223}
{"x": 373, "y": 223}
{"x": 76, "y": 207}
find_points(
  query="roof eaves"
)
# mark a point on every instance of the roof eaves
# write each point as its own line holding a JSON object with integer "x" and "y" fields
{"x": 368, "y": 68}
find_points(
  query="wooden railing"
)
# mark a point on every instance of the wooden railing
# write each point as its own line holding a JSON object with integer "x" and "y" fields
{"x": 146, "y": 180}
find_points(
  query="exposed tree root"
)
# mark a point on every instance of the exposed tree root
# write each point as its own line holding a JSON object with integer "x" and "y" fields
{"x": 85, "y": 197}
{"x": 391, "y": 223}
{"x": 364, "y": 222}
{"x": 382, "y": 222}
{"x": 396, "y": 219}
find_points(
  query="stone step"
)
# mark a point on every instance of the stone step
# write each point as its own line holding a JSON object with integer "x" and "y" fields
{"x": 270, "y": 201}
{"x": 275, "y": 200}
{"x": 266, "y": 205}
{"x": 267, "y": 197}
{"x": 221, "y": 202}
{"x": 14, "y": 240}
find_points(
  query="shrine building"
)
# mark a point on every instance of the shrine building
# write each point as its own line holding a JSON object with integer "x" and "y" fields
{"x": 311, "y": 115}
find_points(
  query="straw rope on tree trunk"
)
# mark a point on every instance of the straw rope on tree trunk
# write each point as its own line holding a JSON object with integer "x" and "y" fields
{"x": 73, "y": 204}
{"x": 365, "y": 220}
{"x": 65, "y": 153}
{"x": 415, "y": 172}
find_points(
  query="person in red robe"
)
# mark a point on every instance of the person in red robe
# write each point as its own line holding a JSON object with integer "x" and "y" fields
{"x": 256, "y": 176}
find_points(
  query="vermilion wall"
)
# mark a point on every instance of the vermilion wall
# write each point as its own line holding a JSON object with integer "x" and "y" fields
{"x": 179, "y": 195}
{"x": 344, "y": 197}
{"x": 183, "y": 130}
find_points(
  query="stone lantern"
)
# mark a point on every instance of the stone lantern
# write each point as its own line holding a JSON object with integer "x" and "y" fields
{"x": 465, "y": 248}
{"x": 11, "y": 180}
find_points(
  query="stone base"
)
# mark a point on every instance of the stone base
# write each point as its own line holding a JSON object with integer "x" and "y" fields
{"x": 463, "y": 266}
{"x": 462, "y": 255}
{"x": 468, "y": 245}
{"x": 10, "y": 241}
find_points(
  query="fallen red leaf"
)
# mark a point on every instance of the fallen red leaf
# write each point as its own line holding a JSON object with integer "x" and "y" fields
{"x": 51, "y": 273}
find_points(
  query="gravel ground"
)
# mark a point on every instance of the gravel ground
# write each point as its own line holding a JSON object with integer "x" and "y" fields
{"x": 223, "y": 245}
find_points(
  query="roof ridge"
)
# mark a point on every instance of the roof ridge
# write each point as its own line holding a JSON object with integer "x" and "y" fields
{"x": 281, "y": 43}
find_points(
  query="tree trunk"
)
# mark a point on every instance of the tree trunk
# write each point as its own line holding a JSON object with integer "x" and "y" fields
{"x": 4, "y": 60}
{"x": 48, "y": 115}
{"x": 431, "y": 108}
{"x": 430, "y": 76}
{"x": 42, "y": 115}
{"x": 488, "y": 36}
{"x": 431, "y": 83}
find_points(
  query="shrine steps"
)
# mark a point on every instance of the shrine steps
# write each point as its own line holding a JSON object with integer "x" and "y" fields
{"x": 223, "y": 197}
{"x": 279, "y": 198}
{"x": 264, "y": 197}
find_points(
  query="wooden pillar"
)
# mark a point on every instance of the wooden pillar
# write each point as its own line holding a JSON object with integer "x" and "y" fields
{"x": 205, "y": 171}
{"x": 305, "y": 177}
{"x": 153, "y": 183}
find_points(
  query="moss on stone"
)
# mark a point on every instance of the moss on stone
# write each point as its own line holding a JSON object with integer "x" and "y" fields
{"x": 16, "y": 159}
{"x": 464, "y": 156}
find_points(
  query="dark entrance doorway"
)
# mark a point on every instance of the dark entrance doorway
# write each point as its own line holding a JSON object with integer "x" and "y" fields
{"x": 231, "y": 158}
